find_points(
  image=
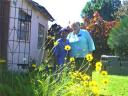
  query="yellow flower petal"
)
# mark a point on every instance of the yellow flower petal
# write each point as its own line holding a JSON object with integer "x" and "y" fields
{"x": 56, "y": 43}
{"x": 72, "y": 59}
{"x": 2, "y": 61}
{"x": 89, "y": 57}
{"x": 67, "y": 47}
{"x": 98, "y": 68}
{"x": 104, "y": 73}
{"x": 93, "y": 84}
{"x": 95, "y": 91}
{"x": 34, "y": 65}
{"x": 98, "y": 64}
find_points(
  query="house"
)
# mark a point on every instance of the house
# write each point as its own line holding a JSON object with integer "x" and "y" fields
{"x": 23, "y": 29}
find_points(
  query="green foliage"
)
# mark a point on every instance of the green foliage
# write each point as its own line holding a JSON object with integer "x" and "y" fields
{"x": 117, "y": 40}
{"x": 122, "y": 11}
{"x": 106, "y": 8}
{"x": 64, "y": 81}
{"x": 117, "y": 85}
{"x": 43, "y": 83}
{"x": 114, "y": 87}
{"x": 15, "y": 84}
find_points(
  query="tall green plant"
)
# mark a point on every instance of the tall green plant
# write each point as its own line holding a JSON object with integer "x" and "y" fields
{"x": 118, "y": 38}
{"x": 15, "y": 84}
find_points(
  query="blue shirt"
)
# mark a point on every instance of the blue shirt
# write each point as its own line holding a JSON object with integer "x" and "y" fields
{"x": 81, "y": 44}
{"x": 59, "y": 51}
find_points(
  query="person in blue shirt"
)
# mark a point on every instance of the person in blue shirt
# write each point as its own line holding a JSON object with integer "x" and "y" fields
{"x": 81, "y": 43}
{"x": 59, "y": 52}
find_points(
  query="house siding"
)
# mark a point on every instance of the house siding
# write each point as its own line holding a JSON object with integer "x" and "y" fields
{"x": 23, "y": 52}
{"x": 35, "y": 52}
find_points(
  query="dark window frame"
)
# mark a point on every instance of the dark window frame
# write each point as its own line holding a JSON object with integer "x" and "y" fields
{"x": 23, "y": 30}
{"x": 41, "y": 33}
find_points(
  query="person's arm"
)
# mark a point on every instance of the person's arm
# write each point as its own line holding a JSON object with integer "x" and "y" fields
{"x": 91, "y": 46}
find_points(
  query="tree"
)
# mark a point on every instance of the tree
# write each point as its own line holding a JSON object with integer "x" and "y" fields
{"x": 106, "y": 8}
{"x": 117, "y": 40}
{"x": 122, "y": 10}
{"x": 99, "y": 30}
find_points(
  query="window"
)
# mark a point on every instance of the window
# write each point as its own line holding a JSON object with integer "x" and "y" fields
{"x": 23, "y": 30}
{"x": 41, "y": 31}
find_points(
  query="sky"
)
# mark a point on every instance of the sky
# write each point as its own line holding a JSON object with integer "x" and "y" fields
{"x": 64, "y": 11}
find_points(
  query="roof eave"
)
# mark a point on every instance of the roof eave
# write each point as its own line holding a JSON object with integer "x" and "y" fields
{"x": 42, "y": 10}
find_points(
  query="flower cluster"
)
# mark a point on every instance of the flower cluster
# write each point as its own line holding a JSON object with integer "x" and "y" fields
{"x": 85, "y": 83}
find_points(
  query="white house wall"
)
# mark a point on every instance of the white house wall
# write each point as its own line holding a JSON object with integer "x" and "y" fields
{"x": 36, "y": 19}
{"x": 35, "y": 53}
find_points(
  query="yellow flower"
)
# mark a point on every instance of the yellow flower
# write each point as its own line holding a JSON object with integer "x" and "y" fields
{"x": 34, "y": 65}
{"x": 105, "y": 81}
{"x": 95, "y": 91}
{"x": 89, "y": 57}
{"x": 85, "y": 83}
{"x": 98, "y": 68}
{"x": 74, "y": 74}
{"x": 56, "y": 43}
{"x": 53, "y": 37}
{"x": 72, "y": 59}
{"x": 85, "y": 78}
{"x": 93, "y": 84}
{"x": 67, "y": 47}
{"x": 98, "y": 64}
{"x": 104, "y": 73}
{"x": 2, "y": 61}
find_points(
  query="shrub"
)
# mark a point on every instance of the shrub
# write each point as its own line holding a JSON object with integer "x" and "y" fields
{"x": 118, "y": 38}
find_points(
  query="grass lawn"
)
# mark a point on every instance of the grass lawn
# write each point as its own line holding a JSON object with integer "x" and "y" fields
{"x": 118, "y": 85}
